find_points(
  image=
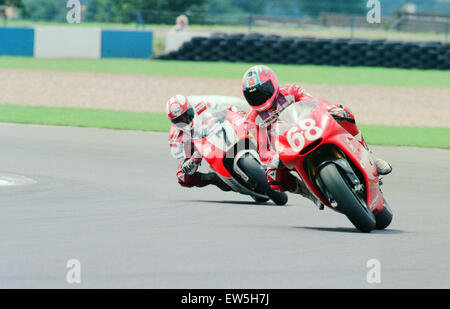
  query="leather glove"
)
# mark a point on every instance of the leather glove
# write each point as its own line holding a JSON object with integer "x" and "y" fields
{"x": 339, "y": 114}
{"x": 190, "y": 166}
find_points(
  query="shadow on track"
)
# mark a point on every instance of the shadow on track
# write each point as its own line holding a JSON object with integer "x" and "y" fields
{"x": 267, "y": 204}
{"x": 350, "y": 230}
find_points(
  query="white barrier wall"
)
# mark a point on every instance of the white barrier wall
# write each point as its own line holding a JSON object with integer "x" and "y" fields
{"x": 174, "y": 40}
{"x": 67, "y": 42}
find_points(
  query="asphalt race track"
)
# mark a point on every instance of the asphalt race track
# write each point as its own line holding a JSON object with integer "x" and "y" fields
{"x": 110, "y": 200}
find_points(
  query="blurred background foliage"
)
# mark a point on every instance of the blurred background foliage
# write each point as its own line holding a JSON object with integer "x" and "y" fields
{"x": 208, "y": 11}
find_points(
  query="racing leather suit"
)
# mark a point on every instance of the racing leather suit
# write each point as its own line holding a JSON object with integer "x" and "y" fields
{"x": 183, "y": 149}
{"x": 260, "y": 123}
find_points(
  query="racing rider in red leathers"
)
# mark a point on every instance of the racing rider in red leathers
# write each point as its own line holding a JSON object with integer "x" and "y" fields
{"x": 261, "y": 90}
{"x": 182, "y": 115}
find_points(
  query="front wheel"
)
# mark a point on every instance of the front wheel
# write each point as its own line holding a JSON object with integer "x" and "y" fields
{"x": 255, "y": 171}
{"x": 384, "y": 217}
{"x": 355, "y": 210}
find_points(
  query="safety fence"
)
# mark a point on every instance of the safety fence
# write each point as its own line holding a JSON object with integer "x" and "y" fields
{"x": 75, "y": 42}
{"x": 319, "y": 51}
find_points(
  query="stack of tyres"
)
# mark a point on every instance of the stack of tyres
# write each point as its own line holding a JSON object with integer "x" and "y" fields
{"x": 336, "y": 52}
{"x": 328, "y": 52}
{"x": 444, "y": 57}
{"x": 340, "y": 52}
{"x": 422, "y": 60}
{"x": 249, "y": 48}
{"x": 301, "y": 50}
{"x": 214, "y": 51}
{"x": 409, "y": 54}
{"x": 285, "y": 50}
{"x": 321, "y": 49}
{"x": 187, "y": 51}
{"x": 357, "y": 52}
{"x": 396, "y": 52}
{"x": 373, "y": 54}
{"x": 267, "y": 52}
{"x": 257, "y": 48}
{"x": 197, "y": 51}
{"x": 433, "y": 52}
{"x": 205, "y": 47}
{"x": 314, "y": 52}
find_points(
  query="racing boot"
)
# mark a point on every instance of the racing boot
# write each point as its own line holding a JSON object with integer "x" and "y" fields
{"x": 282, "y": 180}
{"x": 304, "y": 191}
{"x": 383, "y": 167}
{"x": 212, "y": 178}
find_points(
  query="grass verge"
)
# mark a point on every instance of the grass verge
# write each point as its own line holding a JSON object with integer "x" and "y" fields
{"x": 77, "y": 117}
{"x": 329, "y": 75}
{"x": 80, "y": 117}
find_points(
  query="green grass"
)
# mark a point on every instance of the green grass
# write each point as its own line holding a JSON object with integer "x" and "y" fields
{"x": 287, "y": 73}
{"x": 80, "y": 117}
{"x": 407, "y": 136}
{"x": 77, "y": 117}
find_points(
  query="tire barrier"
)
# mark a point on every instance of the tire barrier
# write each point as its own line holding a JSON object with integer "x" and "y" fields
{"x": 258, "y": 48}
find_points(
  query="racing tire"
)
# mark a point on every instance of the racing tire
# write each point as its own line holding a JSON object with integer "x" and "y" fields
{"x": 355, "y": 210}
{"x": 384, "y": 217}
{"x": 255, "y": 171}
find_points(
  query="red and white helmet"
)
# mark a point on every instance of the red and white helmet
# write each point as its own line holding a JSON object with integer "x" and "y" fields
{"x": 179, "y": 111}
{"x": 260, "y": 87}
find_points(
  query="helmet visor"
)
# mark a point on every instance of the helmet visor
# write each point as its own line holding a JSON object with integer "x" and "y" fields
{"x": 184, "y": 119}
{"x": 260, "y": 94}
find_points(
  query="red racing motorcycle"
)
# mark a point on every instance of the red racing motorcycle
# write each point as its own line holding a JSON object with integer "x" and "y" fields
{"x": 222, "y": 140}
{"x": 335, "y": 167}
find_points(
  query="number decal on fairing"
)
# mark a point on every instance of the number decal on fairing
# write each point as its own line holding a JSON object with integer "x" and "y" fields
{"x": 296, "y": 140}
{"x": 296, "y": 137}
{"x": 223, "y": 137}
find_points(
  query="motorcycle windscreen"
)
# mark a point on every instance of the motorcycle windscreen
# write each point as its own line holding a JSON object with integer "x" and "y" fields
{"x": 295, "y": 113}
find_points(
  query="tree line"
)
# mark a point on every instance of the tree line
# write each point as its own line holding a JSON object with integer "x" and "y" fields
{"x": 165, "y": 11}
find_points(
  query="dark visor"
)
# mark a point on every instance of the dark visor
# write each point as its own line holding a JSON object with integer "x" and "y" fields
{"x": 258, "y": 95}
{"x": 184, "y": 119}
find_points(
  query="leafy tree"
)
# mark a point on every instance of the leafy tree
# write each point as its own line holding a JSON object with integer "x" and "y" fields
{"x": 100, "y": 11}
{"x": 16, "y": 3}
{"x": 253, "y": 7}
{"x": 314, "y": 8}
{"x": 48, "y": 10}
{"x": 157, "y": 11}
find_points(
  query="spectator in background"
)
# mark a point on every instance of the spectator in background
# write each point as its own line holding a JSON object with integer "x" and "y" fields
{"x": 409, "y": 8}
{"x": 182, "y": 23}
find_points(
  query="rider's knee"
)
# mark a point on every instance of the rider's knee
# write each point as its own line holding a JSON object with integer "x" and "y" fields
{"x": 184, "y": 180}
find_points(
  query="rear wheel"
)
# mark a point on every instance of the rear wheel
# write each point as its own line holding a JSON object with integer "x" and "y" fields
{"x": 355, "y": 209}
{"x": 255, "y": 171}
{"x": 384, "y": 217}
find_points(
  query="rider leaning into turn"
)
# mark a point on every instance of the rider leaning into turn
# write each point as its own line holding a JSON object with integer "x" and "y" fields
{"x": 182, "y": 115}
{"x": 261, "y": 90}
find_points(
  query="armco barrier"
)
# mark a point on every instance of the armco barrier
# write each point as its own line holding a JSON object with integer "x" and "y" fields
{"x": 127, "y": 44}
{"x": 75, "y": 42}
{"x": 309, "y": 50}
{"x": 16, "y": 41}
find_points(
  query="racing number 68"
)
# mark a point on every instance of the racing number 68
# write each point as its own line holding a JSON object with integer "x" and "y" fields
{"x": 308, "y": 128}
